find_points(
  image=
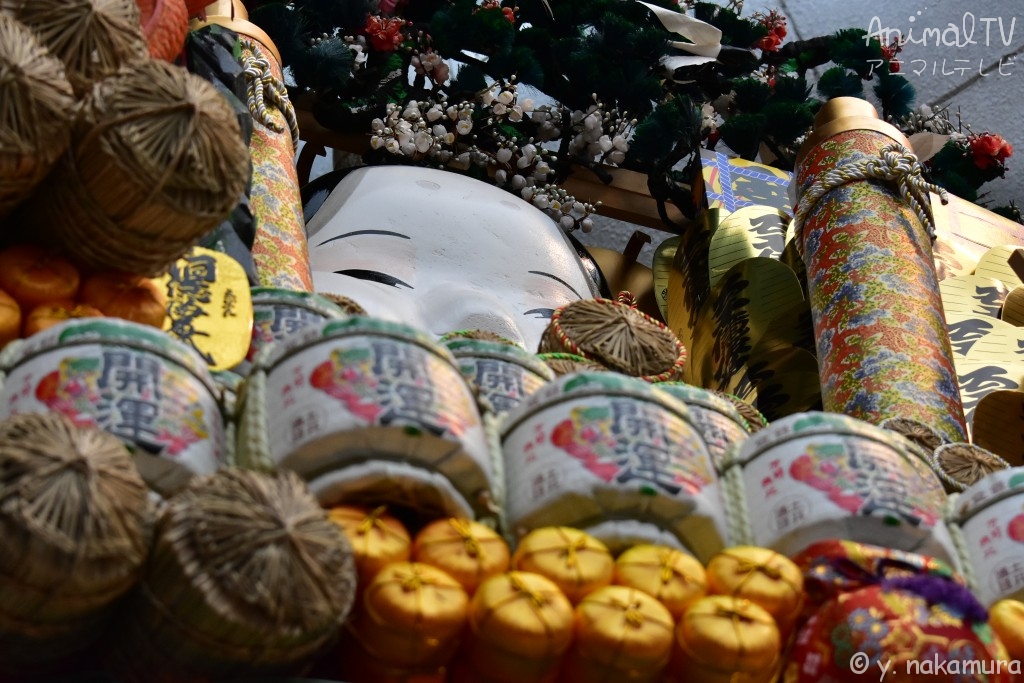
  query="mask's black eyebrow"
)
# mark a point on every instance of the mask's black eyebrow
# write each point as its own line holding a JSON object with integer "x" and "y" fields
{"x": 386, "y": 233}
{"x": 557, "y": 279}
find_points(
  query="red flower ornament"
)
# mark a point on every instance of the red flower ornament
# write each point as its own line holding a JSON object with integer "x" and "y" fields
{"x": 988, "y": 150}
{"x": 385, "y": 34}
{"x": 776, "y": 25}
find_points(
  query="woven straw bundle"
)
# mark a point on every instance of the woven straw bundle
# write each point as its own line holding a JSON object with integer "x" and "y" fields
{"x": 962, "y": 464}
{"x": 157, "y": 161}
{"x": 755, "y": 420}
{"x": 617, "y": 336}
{"x": 917, "y": 432}
{"x": 75, "y": 528}
{"x": 94, "y": 38}
{"x": 248, "y": 576}
{"x": 567, "y": 363}
{"x": 346, "y": 304}
{"x": 35, "y": 119}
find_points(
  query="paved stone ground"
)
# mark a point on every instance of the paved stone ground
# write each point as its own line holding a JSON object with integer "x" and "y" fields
{"x": 959, "y": 55}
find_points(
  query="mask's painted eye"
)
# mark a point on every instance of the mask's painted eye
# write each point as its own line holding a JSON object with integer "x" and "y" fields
{"x": 375, "y": 276}
{"x": 541, "y": 312}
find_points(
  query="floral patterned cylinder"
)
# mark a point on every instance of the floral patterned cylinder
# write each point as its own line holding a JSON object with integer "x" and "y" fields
{"x": 277, "y": 313}
{"x": 990, "y": 517}
{"x": 369, "y": 412}
{"x": 883, "y": 345}
{"x": 131, "y": 380}
{"x": 279, "y": 249}
{"x": 502, "y": 374}
{"x": 610, "y": 455}
{"x": 815, "y": 476}
{"x": 720, "y": 423}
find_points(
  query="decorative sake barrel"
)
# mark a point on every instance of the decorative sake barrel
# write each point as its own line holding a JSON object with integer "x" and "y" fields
{"x": 815, "y": 476}
{"x": 719, "y": 421}
{"x": 610, "y": 455}
{"x": 277, "y": 313}
{"x": 990, "y": 518}
{"x": 372, "y": 412}
{"x": 502, "y": 374}
{"x": 131, "y": 380}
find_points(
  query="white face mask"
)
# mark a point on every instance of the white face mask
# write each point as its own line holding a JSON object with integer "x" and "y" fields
{"x": 443, "y": 252}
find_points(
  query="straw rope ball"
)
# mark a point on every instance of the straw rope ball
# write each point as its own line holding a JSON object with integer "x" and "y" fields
{"x": 38, "y": 106}
{"x": 478, "y": 335}
{"x": 755, "y": 420}
{"x": 568, "y": 363}
{"x": 917, "y": 432}
{"x": 94, "y": 38}
{"x": 962, "y": 464}
{"x": 345, "y": 303}
{"x": 617, "y": 336}
{"x": 75, "y": 529}
{"x": 157, "y": 162}
{"x": 248, "y": 576}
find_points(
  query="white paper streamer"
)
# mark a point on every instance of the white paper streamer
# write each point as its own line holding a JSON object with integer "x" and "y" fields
{"x": 706, "y": 40}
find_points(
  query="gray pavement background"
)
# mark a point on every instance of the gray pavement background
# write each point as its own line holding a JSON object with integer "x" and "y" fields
{"x": 965, "y": 55}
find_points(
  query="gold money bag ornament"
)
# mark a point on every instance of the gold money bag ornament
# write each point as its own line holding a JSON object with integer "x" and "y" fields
{"x": 863, "y": 227}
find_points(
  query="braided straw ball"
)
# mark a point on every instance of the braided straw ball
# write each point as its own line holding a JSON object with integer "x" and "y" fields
{"x": 960, "y": 465}
{"x": 248, "y": 577}
{"x": 755, "y": 420}
{"x": 617, "y": 336}
{"x": 568, "y": 363}
{"x": 75, "y": 529}
{"x": 917, "y": 432}
{"x": 346, "y": 304}
{"x": 94, "y": 38}
{"x": 157, "y": 162}
{"x": 35, "y": 120}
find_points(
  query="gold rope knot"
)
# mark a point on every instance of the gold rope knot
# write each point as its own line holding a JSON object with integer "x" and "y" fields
{"x": 570, "y": 553}
{"x": 372, "y": 521}
{"x": 464, "y": 531}
{"x": 895, "y": 164}
{"x": 535, "y": 597}
{"x": 634, "y": 616}
{"x": 410, "y": 582}
{"x": 261, "y": 86}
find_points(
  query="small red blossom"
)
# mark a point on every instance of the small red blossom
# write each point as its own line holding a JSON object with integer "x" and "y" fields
{"x": 890, "y": 51}
{"x": 508, "y": 12}
{"x": 776, "y": 25}
{"x": 988, "y": 150}
{"x": 384, "y": 34}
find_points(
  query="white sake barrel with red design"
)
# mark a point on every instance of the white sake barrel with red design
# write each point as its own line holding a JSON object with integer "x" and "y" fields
{"x": 369, "y": 411}
{"x": 815, "y": 476}
{"x": 608, "y": 454}
{"x": 990, "y": 518}
{"x": 152, "y": 391}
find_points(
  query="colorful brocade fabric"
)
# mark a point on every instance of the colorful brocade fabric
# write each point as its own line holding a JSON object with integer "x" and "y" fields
{"x": 883, "y": 346}
{"x": 895, "y": 634}
{"x": 279, "y": 249}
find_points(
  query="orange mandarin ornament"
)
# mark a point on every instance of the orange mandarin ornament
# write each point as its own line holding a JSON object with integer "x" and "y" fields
{"x": 675, "y": 579}
{"x": 1006, "y": 618}
{"x": 469, "y": 551}
{"x": 621, "y": 634}
{"x": 10, "y": 319}
{"x": 577, "y": 562}
{"x": 763, "y": 576}
{"x": 409, "y": 621}
{"x": 722, "y": 639}
{"x": 377, "y": 538}
{"x": 520, "y": 626}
